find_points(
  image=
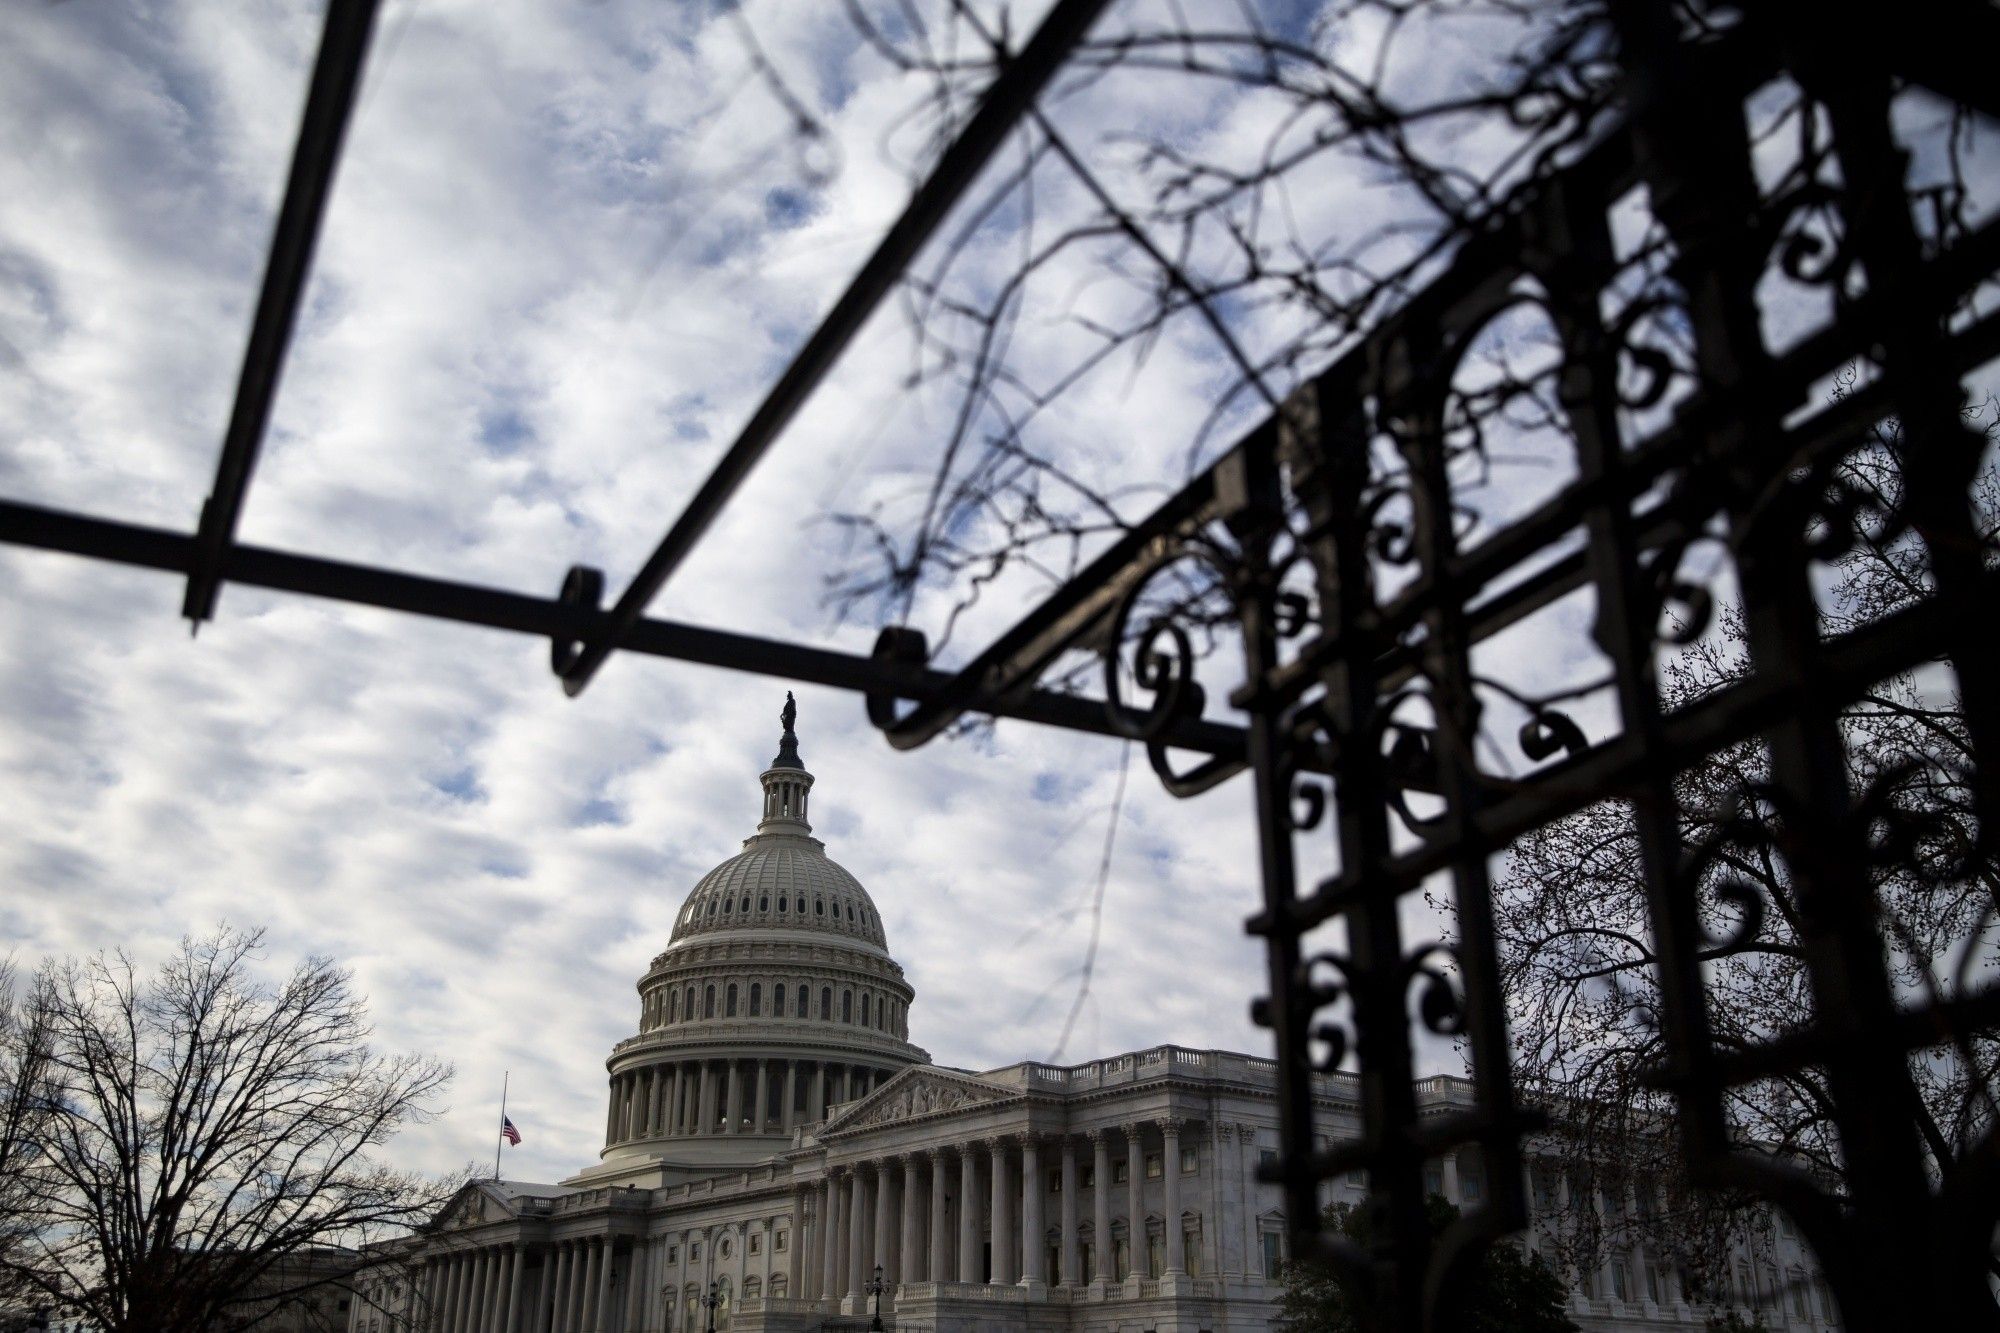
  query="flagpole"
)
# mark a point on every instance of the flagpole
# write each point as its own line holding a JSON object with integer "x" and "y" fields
{"x": 500, "y": 1134}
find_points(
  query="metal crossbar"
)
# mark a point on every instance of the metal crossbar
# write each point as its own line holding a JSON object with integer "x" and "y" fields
{"x": 1360, "y": 604}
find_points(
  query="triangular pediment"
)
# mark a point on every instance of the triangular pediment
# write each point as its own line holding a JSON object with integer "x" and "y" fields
{"x": 915, "y": 1094}
{"x": 479, "y": 1202}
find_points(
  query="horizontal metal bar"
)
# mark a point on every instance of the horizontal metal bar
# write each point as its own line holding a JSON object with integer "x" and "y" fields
{"x": 1020, "y": 81}
{"x": 343, "y": 51}
{"x": 156, "y": 548}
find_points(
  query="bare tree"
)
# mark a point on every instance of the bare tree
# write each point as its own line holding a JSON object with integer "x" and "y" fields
{"x": 199, "y": 1136}
{"x": 1572, "y": 913}
{"x": 24, "y": 1058}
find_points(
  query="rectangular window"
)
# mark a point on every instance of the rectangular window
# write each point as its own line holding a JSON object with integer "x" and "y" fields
{"x": 1620, "y": 1287}
{"x": 1121, "y": 1259}
{"x": 1088, "y": 1176}
{"x": 1087, "y": 1259}
{"x": 756, "y": 1243}
{"x": 1191, "y": 1251}
{"x": 1433, "y": 1180}
{"x": 1799, "y": 1304}
{"x": 1358, "y": 1177}
{"x": 1656, "y": 1289}
{"x": 1468, "y": 1186}
{"x": 694, "y": 1250}
{"x": 1267, "y": 1157}
{"x": 1274, "y": 1253}
{"x": 1152, "y": 1166}
{"x": 1055, "y": 1180}
{"x": 1120, "y": 1172}
{"x": 673, "y": 1253}
{"x": 781, "y": 1241}
{"x": 1190, "y": 1160}
{"x": 1156, "y": 1255}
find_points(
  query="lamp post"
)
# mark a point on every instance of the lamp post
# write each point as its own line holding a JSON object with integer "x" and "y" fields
{"x": 875, "y": 1288}
{"x": 712, "y": 1300}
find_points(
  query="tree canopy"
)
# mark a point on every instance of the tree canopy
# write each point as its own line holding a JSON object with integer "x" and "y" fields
{"x": 189, "y": 1133}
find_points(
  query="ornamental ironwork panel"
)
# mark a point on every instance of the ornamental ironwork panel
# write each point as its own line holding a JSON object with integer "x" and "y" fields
{"x": 1364, "y": 585}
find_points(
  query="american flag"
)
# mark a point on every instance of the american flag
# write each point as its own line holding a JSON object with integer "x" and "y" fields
{"x": 508, "y": 1132}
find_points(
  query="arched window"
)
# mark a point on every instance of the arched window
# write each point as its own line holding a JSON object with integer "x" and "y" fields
{"x": 730, "y": 1010}
{"x": 764, "y": 903}
{"x": 847, "y": 1006}
{"x": 688, "y": 1008}
{"x": 711, "y": 907}
{"x": 804, "y": 995}
{"x": 746, "y": 904}
{"x": 826, "y": 1002}
{"x": 708, "y": 1003}
{"x": 781, "y": 902}
{"x": 778, "y": 1001}
{"x": 864, "y": 1009}
{"x": 756, "y": 999}
{"x": 674, "y": 1009}
{"x": 819, "y": 907}
{"x": 780, "y": 1283}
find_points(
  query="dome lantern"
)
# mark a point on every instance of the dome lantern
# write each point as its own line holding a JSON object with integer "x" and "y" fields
{"x": 786, "y": 782}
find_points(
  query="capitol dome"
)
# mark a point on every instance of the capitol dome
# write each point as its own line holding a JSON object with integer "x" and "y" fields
{"x": 775, "y": 999}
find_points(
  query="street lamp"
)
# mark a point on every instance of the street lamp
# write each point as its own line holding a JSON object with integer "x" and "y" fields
{"x": 876, "y": 1286}
{"x": 712, "y": 1300}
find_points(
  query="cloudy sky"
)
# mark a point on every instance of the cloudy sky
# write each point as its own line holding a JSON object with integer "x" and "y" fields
{"x": 569, "y": 246}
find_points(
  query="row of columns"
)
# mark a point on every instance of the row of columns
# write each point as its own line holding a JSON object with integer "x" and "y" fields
{"x": 876, "y": 1213}
{"x": 731, "y": 1096}
{"x": 486, "y": 1290}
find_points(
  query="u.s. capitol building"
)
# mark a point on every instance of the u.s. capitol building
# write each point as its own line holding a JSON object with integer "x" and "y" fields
{"x": 776, "y": 1149}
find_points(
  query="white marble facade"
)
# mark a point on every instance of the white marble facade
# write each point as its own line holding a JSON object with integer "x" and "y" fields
{"x": 772, "y": 1137}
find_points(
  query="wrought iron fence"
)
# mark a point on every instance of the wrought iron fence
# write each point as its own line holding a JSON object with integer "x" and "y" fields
{"x": 1362, "y": 598}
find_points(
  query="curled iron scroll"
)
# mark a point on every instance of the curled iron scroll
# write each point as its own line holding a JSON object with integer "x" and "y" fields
{"x": 1162, "y": 664}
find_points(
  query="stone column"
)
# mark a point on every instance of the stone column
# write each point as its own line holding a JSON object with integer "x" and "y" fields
{"x": 462, "y": 1300}
{"x": 479, "y": 1307}
{"x": 496, "y": 1289}
{"x": 732, "y": 1095}
{"x": 818, "y": 1105}
{"x": 937, "y": 1270}
{"x": 670, "y": 1104}
{"x": 1100, "y": 1204}
{"x": 829, "y": 1204}
{"x": 475, "y": 1288}
{"x": 635, "y": 1273}
{"x": 885, "y": 1232}
{"x": 785, "y": 1120}
{"x": 704, "y": 1112}
{"x": 857, "y": 1231}
{"x": 656, "y": 1088}
{"x": 795, "y": 1257}
{"x": 968, "y": 1215}
{"x": 999, "y": 1224}
{"x": 586, "y": 1291}
{"x": 510, "y": 1311}
{"x": 1170, "y": 1171}
{"x": 1031, "y": 1211}
{"x": 1135, "y": 1199}
{"x": 611, "y": 1111}
{"x": 1071, "y": 1251}
{"x": 602, "y": 1322}
{"x": 908, "y": 1262}
{"x": 762, "y": 1112}
{"x": 447, "y": 1293}
{"x": 558, "y": 1260}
